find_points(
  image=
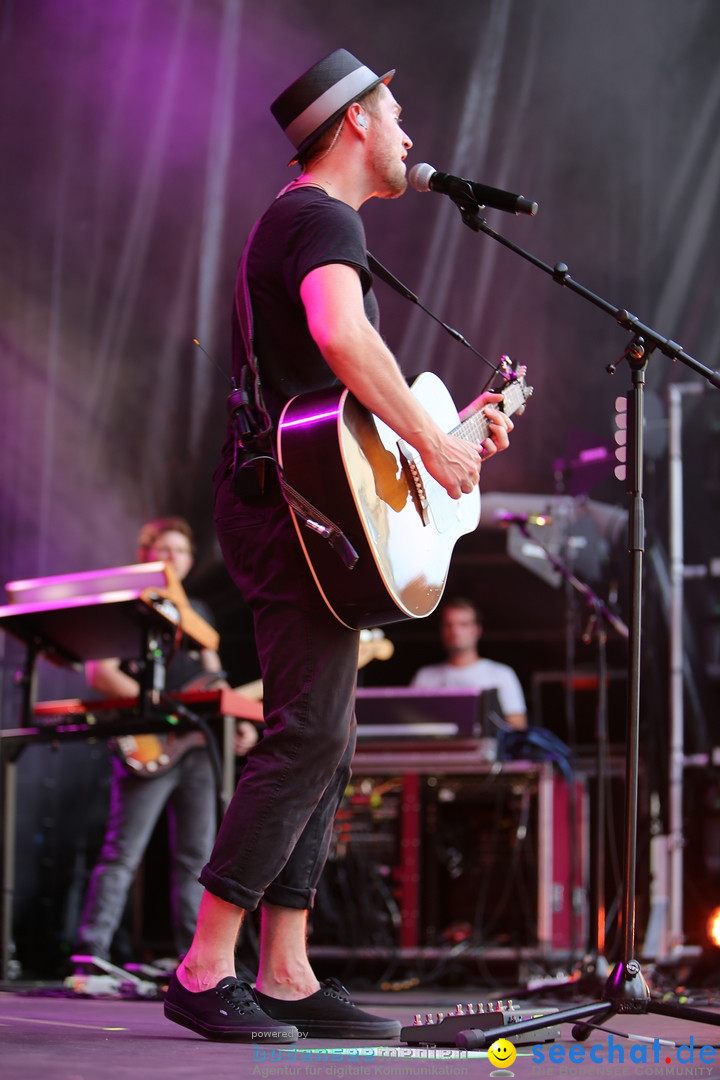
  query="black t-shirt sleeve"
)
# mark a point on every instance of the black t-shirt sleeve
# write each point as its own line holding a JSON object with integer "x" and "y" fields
{"x": 201, "y": 608}
{"x": 325, "y": 231}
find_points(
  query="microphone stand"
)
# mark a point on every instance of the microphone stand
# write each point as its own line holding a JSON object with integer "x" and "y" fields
{"x": 594, "y": 968}
{"x": 625, "y": 990}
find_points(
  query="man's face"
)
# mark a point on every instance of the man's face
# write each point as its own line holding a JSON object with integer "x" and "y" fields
{"x": 172, "y": 547}
{"x": 459, "y": 630}
{"x": 388, "y": 146}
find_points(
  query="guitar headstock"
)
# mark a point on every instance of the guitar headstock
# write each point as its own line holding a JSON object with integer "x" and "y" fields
{"x": 374, "y": 646}
{"x": 515, "y": 390}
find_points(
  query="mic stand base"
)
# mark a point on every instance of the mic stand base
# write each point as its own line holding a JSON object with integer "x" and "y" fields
{"x": 625, "y": 993}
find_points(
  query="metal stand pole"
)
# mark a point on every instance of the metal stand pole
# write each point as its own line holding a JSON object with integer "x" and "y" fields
{"x": 9, "y": 770}
{"x": 675, "y": 839}
{"x": 8, "y": 764}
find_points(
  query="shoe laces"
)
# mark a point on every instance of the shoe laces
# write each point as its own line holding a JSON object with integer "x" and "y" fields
{"x": 334, "y": 988}
{"x": 238, "y": 994}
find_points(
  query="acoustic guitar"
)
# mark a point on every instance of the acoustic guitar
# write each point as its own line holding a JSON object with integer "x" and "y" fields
{"x": 372, "y": 488}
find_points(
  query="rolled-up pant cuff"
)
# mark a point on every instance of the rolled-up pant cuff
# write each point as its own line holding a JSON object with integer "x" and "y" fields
{"x": 282, "y": 896}
{"x": 248, "y": 900}
{"x": 230, "y": 891}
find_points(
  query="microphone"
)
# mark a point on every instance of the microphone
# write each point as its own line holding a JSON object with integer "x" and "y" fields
{"x": 504, "y": 517}
{"x": 425, "y": 177}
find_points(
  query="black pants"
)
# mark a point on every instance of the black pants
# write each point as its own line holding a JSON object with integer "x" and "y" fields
{"x": 275, "y": 836}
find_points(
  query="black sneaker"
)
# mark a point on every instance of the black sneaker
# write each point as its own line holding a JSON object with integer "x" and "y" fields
{"x": 329, "y": 1014}
{"x": 230, "y": 1011}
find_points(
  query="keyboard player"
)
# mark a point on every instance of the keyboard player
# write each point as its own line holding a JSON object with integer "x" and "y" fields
{"x": 180, "y": 780}
{"x": 460, "y": 633}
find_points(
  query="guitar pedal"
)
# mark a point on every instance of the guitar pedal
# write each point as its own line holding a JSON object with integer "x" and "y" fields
{"x": 442, "y": 1029}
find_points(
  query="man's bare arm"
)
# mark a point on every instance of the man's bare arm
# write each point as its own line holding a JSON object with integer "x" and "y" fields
{"x": 106, "y": 676}
{"x": 356, "y": 353}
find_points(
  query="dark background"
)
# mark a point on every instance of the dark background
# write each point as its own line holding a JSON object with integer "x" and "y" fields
{"x": 136, "y": 149}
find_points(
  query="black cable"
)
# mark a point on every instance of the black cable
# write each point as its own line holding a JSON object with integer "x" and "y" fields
{"x": 173, "y": 705}
{"x": 384, "y": 274}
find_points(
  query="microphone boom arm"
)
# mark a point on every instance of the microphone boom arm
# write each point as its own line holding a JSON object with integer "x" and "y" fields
{"x": 644, "y": 336}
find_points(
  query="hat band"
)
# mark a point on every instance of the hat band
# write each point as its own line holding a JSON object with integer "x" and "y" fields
{"x": 342, "y": 93}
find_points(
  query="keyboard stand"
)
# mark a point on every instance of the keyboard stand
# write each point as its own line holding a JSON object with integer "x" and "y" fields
{"x": 69, "y": 631}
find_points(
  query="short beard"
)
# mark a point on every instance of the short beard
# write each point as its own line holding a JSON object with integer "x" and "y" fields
{"x": 395, "y": 184}
{"x": 399, "y": 188}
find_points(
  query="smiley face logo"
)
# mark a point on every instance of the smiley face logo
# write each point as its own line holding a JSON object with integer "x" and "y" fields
{"x": 502, "y": 1053}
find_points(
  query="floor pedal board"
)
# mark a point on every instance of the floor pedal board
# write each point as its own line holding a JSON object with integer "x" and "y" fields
{"x": 442, "y": 1029}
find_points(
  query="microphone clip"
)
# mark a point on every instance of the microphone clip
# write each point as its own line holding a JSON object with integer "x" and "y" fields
{"x": 462, "y": 194}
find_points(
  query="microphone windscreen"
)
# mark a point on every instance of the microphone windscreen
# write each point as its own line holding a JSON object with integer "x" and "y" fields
{"x": 420, "y": 176}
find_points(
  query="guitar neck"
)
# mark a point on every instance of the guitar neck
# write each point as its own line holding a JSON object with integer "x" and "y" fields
{"x": 476, "y": 428}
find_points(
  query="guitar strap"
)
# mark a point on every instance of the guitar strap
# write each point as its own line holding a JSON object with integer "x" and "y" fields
{"x": 255, "y": 436}
{"x": 253, "y": 432}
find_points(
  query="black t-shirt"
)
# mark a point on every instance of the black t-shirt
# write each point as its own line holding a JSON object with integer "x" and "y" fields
{"x": 303, "y": 229}
{"x": 185, "y": 662}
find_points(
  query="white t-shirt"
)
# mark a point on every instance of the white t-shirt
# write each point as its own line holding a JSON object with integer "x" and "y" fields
{"x": 482, "y": 675}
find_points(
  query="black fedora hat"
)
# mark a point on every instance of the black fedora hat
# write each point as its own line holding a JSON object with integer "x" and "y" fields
{"x": 317, "y": 98}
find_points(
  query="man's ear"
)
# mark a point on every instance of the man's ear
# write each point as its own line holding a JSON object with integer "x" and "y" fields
{"x": 357, "y": 117}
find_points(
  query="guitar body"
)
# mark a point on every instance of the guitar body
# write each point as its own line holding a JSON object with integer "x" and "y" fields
{"x": 401, "y": 522}
{"x": 150, "y": 755}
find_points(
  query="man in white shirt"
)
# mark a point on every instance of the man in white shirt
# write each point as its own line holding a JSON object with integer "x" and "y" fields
{"x": 460, "y": 632}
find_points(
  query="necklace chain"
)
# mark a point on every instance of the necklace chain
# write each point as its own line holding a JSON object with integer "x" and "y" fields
{"x": 298, "y": 183}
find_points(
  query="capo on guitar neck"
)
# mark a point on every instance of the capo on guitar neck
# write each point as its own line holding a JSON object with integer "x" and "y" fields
{"x": 508, "y": 372}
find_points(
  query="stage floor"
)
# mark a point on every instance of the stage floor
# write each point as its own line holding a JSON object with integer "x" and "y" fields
{"x": 65, "y": 1038}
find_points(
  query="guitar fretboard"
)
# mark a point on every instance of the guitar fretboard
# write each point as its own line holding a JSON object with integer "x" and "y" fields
{"x": 476, "y": 428}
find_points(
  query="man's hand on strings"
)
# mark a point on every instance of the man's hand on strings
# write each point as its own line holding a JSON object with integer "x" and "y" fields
{"x": 499, "y": 424}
